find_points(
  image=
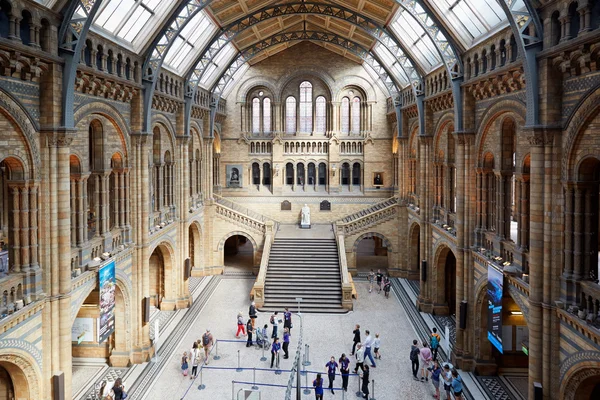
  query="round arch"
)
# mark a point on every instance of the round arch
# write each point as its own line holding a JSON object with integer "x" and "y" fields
{"x": 414, "y": 247}
{"x": 24, "y": 372}
{"x": 445, "y": 278}
{"x": 387, "y": 243}
{"x": 304, "y": 74}
{"x": 161, "y": 265}
{"x": 498, "y": 111}
{"x": 358, "y": 82}
{"x": 221, "y": 246}
{"x": 579, "y": 381}
{"x": 251, "y": 84}
{"x": 195, "y": 244}
{"x": 120, "y": 353}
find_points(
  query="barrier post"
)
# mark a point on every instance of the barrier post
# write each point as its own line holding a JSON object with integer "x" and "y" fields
{"x": 254, "y": 387}
{"x": 373, "y": 384}
{"x": 359, "y": 393}
{"x": 201, "y": 386}
{"x": 217, "y": 356}
{"x": 306, "y": 390}
{"x": 303, "y": 372}
{"x": 239, "y": 368}
{"x": 307, "y": 354}
{"x": 232, "y": 390}
{"x": 263, "y": 358}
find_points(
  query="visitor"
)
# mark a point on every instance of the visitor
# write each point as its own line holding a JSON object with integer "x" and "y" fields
{"x": 252, "y": 313}
{"x": 457, "y": 385}
{"x": 195, "y": 358}
{"x": 434, "y": 340}
{"x": 344, "y": 370}
{"x": 360, "y": 357}
{"x": 376, "y": 345}
{"x": 414, "y": 358}
{"x": 318, "y": 385}
{"x": 371, "y": 278}
{"x": 365, "y": 382}
{"x": 119, "y": 390}
{"x": 275, "y": 324}
{"x": 286, "y": 343}
{"x": 240, "y": 325}
{"x": 425, "y": 361}
{"x": 368, "y": 348}
{"x": 275, "y": 351}
{"x": 207, "y": 343}
{"x": 379, "y": 281}
{"x": 250, "y": 330}
{"x": 447, "y": 376}
{"x": 332, "y": 367}
{"x": 287, "y": 320}
{"x": 184, "y": 363}
{"x": 435, "y": 377}
{"x": 356, "y": 339}
{"x": 387, "y": 286}
{"x": 105, "y": 393}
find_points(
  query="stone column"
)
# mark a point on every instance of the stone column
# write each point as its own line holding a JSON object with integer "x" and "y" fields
{"x": 588, "y": 233}
{"x": 479, "y": 208}
{"x": 16, "y": 229}
{"x": 74, "y": 183}
{"x": 484, "y": 201}
{"x": 578, "y": 233}
{"x": 518, "y": 210}
{"x": 24, "y": 228}
{"x": 33, "y": 231}
{"x": 295, "y": 178}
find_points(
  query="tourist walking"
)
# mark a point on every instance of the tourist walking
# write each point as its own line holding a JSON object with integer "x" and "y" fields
{"x": 119, "y": 390}
{"x": 332, "y": 367}
{"x": 252, "y": 313}
{"x": 436, "y": 371}
{"x": 286, "y": 342}
{"x": 447, "y": 376}
{"x": 240, "y": 325}
{"x": 318, "y": 386}
{"x": 434, "y": 340}
{"x": 184, "y": 363}
{"x": 356, "y": 339}
{"x": 368, "y": 348}
{"x": 457, "y": 385}
{"x": 195, "y": 359}
{"x": 207, "y": 343}
{"x": 360, "y": 357}
{"x": 387, "y": 286}
{"x": 414, "y": 358}
{"x": 365, "y": 382}
{"x": 105, "y": 393}
{"x": 344, "y": 370}
{"x": 250, "y": 330}
{"x": 287, "y": 320}
{"x": 275, "y": 351}
{"x": 274, "y": 321}
{"x": 379, "y": 281}
{"x": 376, "y": 345}
{"x": 371, "y": 278}
{"x": 425, "y": 354}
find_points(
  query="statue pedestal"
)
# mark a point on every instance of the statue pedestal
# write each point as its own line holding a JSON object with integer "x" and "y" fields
{"x": 304, "y": 226}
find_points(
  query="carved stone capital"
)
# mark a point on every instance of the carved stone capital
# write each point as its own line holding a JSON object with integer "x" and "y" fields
{"x": 61, "y": 138}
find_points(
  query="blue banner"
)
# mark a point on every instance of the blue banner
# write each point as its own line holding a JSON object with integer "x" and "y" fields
{"x": 495, "y": 287}
{"x": 108, "y": 285}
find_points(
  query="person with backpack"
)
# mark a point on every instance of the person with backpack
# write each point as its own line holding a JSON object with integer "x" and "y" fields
{"x": 240, "y": 325}
{"x": 387, "y": 286}
{"x": 414, "y": 358}
{"x": 275, "y": 324}
{"x": 252, "y": 313}
{"x": 318, "y": 386}
{"x": 457, "y": 385}
{"x": 207, "y": 342}
{"x": 434, "y": 343}
{"x": 119, "y": 390}
{"x": 379, "y": 281}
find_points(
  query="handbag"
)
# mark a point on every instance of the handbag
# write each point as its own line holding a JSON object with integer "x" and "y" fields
{"x": 185, "y": 372}
{"x": 124, "y": 396}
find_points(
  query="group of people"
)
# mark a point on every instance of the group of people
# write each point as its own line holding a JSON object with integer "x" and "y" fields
{"x": 383, "y": 282}
{"x": 368, "y": 349}
{"x": 426, "y": 357}
{"x": 116, "y": 392}
{"x": 195, "y": 355}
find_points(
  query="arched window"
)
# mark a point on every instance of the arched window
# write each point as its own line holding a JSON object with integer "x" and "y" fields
{"x": 300, "y": 174}
{"x": 322, "y": 173}
{"x": 255, "y": 174}
{"x": 355, "y": 128}
{"x": 5, "y": 12}
{"x": 311, "y": 174}
{"x": 266, "y": 174}
{"x": 356, "y": 174}
{"x": 345, "y": 115}
{"x": 289, "y": 174}
{"x": 574, "y": 17}
{"x": 267, "y": 115}
{"x": 290, "y": 115}
{"x": 305, "y": 107}
{"x": 255, "y": 115}
{"x": 345, "y": 174}
{"x": 25, "y": 28}
{"x": 320, "y": 115}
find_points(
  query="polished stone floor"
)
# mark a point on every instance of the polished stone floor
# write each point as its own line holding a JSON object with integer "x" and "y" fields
{"x": 327, "y": 335}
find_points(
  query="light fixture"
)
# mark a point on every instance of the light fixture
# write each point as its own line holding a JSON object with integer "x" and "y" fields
{"x": 516, "y": 312}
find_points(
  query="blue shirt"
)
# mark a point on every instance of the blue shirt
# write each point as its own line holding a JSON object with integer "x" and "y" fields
{"x": 331, "y": 367}
{"x": 457, "y": 384}
{"x": 286, "y": 337}
{"x": 276, "y": 347}
{"x": 435, "y": 374}
{"x": 318, "y": 386}
{"x": 344, "y": 364}
{"x": 287, "y": 316}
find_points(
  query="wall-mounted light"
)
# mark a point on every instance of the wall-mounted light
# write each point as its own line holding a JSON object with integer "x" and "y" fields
{"x": 516, "y": 313}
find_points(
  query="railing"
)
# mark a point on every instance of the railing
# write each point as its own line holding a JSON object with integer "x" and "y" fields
{"x": 20, "y": 316}
{"x": 11, "y": 289}
{"x": 241, "y": 209}
{"x": 374, "y": 208}
{"x": 259, "y": 286}
{"x": 379, "y": 213}
{"x": 346, "y": 285}
{"x": 295, "y": 370}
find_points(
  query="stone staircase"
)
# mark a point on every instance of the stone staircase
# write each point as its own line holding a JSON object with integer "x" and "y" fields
{"x": 372, "y": 209}
{"x": 307, "y": 268}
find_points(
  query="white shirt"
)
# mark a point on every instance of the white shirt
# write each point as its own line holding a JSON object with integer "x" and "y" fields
{"x": 368, "y": 341}
{"x": 195, "y": 356}
{"x": 360, "y": 355}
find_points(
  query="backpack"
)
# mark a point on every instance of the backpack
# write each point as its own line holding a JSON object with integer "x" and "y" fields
{"x": 272, "y": 319}
{"x": 414, "y": 353}
{"x": 205, "y": 339}
{"x": 435, "y": 341}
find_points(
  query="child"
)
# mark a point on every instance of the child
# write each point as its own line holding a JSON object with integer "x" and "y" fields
{"x": 435, "y": 377}
{"x": 184, "y": 363}
{"x": 371, "y": 278}
{"x": 376, "y": 344}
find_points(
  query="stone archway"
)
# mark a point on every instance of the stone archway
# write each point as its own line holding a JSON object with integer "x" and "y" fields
{"x": 255, "y": 255}
{"x": 161, "y": 267}
{"x": 239, "y": 254}
{"x": 195, "y": 245}
{"x": 485, "y": 364}
{"x": 121, "y": 339}
{"x": 445, "y": 281}
{"x": 23, "y": 374}
{"x": 372, "y": 251}
{"x": 582, "y": 381}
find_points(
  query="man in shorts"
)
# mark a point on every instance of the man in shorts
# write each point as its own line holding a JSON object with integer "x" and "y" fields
{"x": 207, "y": 343}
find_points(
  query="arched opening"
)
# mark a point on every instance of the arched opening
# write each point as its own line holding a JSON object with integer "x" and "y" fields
{"x": 5, "y": 13}
{"x": 256, "y": 174}
{"x": 266, "y": 177}
{"x": 574, "y": 19}
{"x": 119, "y": 349}
{"x": 45, "y": 38}
{"x": 289, "y": 174}
{"x": 415, "y": 249}
{"x": 7, "y": 390}
{"x": 587, "y": 252}
{"x": 15, "y": 380}
{"x": 555, "y": 28}
{"x": 238, "y": 254}
{"x": 322, "y": 174}
{"x": 160, "y": 263}
{"x": 195, "y": 246}
{"x": 311, "y": 174}
{"x": 371, "y": 253}
{"x": 356, "y": 174}
{"x": 300, "y": 174}
{"x": 345, "y": 174}
{"x": 25, "y": 29}
{"x": 589, "y": 389}
{"x": 446, "y": 280}
{"x": 11, "y": 174}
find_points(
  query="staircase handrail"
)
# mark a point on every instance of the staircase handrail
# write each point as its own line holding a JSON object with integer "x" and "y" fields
{"x": 346, "y": 285}
{"x": 369, "y": 219}
{"x": 392, "y": 201}
{"x": 242, "y": 210}
{"x": 259, "y": 285}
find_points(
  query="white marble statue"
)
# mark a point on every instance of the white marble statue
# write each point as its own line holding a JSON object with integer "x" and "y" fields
{"x": 305, "y": 220}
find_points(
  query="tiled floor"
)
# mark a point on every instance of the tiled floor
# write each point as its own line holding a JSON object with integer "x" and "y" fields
{"x": 326, "y": 334}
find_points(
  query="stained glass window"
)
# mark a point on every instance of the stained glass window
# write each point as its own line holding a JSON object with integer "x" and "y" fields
{"x": 267, "y": 115}
{"x": 355, "y": 128}
{"x": 305, "y": 107}
{"x": 345, "y": 115}
{"x": 290, "y": 115}
{"x": 255, "y": 115}
{"x": 320, "y": 115}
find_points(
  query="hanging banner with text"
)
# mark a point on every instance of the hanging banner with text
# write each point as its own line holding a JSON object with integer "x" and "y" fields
{"x": 495, "y": 283}
{"x": 107, "y": 301}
